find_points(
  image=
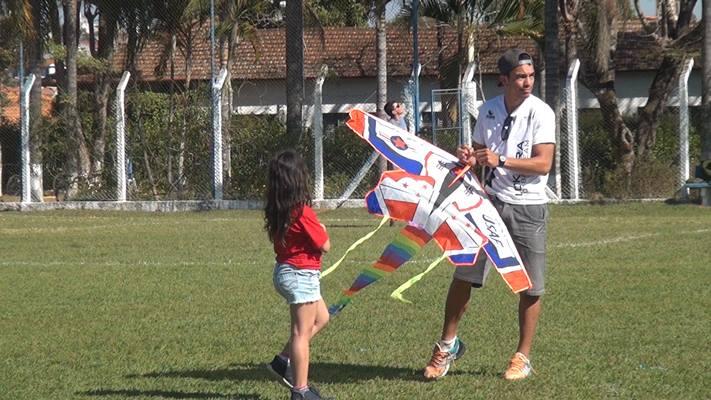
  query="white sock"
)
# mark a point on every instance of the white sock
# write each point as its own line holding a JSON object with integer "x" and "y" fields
{"x": 446, "y": 345}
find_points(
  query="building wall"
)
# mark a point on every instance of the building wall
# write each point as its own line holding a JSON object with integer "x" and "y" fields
{"x": 340, "y": 95}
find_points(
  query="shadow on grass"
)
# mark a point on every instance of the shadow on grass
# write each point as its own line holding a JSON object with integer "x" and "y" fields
{"x": 168, "y": 394}
{"x": 321, "y": 371}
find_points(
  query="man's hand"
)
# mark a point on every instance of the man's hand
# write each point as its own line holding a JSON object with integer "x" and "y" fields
{"x": 465, "y": 154}
{"x": 486, "y": 157}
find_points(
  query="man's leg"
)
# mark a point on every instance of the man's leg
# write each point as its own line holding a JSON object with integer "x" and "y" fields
{"x": 528, "y": 227}
{"x": 529, "y": 309}
{"x": 449, "y": 348}
{"x": 457, "y": 302}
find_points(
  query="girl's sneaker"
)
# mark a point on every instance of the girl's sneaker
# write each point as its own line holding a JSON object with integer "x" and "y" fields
{"x": 282, "y": 370}
{"x": 309, "y": 394}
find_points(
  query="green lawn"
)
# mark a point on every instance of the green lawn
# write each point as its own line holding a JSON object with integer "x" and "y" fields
{"x": 98, "y": 305}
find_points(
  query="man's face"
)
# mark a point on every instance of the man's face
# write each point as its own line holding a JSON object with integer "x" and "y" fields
{"x": 518, "y": 85}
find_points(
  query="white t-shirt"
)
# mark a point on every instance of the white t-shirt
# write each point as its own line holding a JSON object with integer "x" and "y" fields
{"x": 533, "y": 122}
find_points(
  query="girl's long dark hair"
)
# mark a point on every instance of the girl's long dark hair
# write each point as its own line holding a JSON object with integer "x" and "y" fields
{"x": 287, "y": 190}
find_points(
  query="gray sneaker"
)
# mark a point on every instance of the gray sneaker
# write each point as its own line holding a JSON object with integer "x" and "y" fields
{"x": 310, "y": 394}
{"x": 282, "y": 370}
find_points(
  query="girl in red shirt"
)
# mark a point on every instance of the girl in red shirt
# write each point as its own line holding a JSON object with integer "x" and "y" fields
{"x": 299, "y": 241}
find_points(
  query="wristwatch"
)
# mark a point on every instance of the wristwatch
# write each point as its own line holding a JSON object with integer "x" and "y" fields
{"x": 502, "y": 160}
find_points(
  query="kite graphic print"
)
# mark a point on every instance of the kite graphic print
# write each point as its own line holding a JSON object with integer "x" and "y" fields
{"x": 457, "y": 215}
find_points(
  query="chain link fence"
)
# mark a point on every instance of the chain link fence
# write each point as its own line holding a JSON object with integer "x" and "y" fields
{"x": 172, "y": 135}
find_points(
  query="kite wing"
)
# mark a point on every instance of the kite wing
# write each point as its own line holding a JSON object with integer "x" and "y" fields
{"x": 455, "y": 213}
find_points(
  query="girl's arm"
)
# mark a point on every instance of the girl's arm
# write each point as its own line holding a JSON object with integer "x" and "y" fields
{"x": 327, "y": 245}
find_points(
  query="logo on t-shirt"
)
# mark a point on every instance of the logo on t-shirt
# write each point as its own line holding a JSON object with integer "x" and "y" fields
{"x": 490, "y": 115}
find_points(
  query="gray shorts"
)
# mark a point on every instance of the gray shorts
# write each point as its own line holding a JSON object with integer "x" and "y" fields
{"x": 296, "y": 285}
{"x": 527, "y": 226}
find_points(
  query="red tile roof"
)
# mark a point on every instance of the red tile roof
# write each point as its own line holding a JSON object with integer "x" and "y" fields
{"x": 11, "y": 109}
{"x": 350, "y": 52}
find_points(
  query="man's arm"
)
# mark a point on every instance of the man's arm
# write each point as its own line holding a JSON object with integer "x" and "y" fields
{"x": 540, "y": 162}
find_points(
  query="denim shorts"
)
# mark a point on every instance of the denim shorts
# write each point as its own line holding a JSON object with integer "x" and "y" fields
{"x": 527, "y": 226}
{"x": 297, "y": 285}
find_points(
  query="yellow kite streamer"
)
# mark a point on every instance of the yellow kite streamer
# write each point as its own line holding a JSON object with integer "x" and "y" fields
{"x": 397, "y": 294}
{"x": 353, "y": 246}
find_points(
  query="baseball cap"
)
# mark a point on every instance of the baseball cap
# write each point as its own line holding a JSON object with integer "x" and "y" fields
{"x": 511, "y": 59}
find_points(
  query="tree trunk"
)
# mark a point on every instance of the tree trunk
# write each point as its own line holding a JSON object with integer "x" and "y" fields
{"x": 598, "y": 75}
{"x": 706, "y": 83}
{"x": 82, "y": 164}
{"x": 227, "y": 93}
{"x": 294, "y": 68}
{"x": 182, "y": 181}
{"x": 664, "y": 82}
{"x": 35, "y": 56}
{"x": 101, "y": 100}
{"x": 147, "y": 159}
{"x": 102, "y": 91}
{"x": 622, "y": 136}
{"x": 381, "y": 54}
{"x": 552, "y": 54}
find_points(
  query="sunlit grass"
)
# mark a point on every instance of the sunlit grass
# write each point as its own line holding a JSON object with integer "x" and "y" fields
{"x": 133, "y": 305}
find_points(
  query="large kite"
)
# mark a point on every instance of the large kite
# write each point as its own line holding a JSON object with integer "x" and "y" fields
{"x": 440, "y": 200}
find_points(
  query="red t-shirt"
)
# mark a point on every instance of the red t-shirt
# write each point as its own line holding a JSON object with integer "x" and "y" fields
{"x": 303, "y": 242}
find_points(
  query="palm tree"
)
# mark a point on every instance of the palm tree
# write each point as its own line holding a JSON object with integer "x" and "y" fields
{"x": 506, "y": 17}
{"x": 238, "y": 22}
{"x": 294, "y": 67}
{"x": 29, "y": 19}
{"x": 102, "y": 47}
{"x": 79, "y": 162}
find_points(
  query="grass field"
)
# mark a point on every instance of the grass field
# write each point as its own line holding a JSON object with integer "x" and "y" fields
{"x": 181, "y": 306}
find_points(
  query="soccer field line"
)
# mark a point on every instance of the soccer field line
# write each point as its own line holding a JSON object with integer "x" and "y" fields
{"x": 118, "y": 224}
{"x": 621, "y": 239}
{"x": 268, "y": 263}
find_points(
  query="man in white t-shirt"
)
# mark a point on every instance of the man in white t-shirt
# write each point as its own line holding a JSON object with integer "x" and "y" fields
{"x": 514, "y": 139}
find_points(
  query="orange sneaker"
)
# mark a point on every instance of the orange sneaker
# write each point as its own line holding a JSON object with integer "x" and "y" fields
{"x": 519, "y": 368}
{"x": 441, "y": 360}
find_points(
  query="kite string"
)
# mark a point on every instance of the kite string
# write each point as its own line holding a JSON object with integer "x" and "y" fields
{"x": 353, "y": 246}
{"x": 397, "y": 294}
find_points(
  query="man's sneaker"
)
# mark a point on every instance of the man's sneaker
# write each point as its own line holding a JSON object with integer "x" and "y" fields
{"x": 441, "y": 359}
{"x": 519, "y": 368}
{"x": 310, "y": 394}
{"x": 282, "y": 370}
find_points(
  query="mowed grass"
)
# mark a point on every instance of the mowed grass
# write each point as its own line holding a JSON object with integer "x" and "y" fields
{"x": 99, "y": 305}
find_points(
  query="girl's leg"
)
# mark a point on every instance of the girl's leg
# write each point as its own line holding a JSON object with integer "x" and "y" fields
{"x": 303, "y": 320}
{"x": 322, "y": 318}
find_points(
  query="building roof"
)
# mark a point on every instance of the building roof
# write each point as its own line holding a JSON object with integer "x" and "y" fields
{"x": 349, "y": 52}
{"x": 10, "y": 111}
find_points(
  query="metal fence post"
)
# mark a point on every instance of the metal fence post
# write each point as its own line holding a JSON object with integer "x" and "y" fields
{"x": 121, "y": 137}
{"x": 317, "y": 127}
{"x": 217, "y": 135}
{"x": 684, "y": 126}
{"x": 571, "y": 109}
{"x": 25, "y": 138}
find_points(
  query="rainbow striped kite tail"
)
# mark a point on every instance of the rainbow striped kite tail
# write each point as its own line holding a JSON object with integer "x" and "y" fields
{"x": 336, "y": 308}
